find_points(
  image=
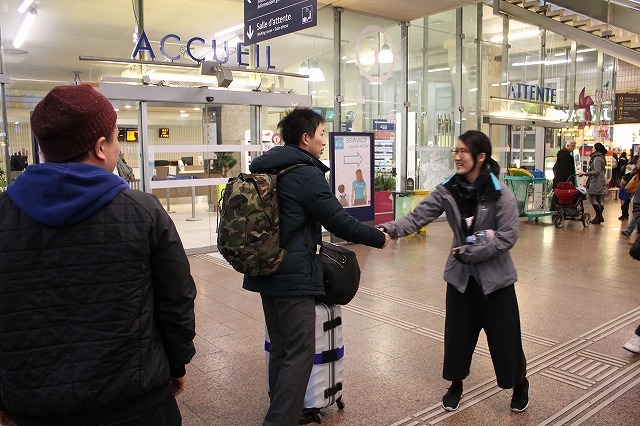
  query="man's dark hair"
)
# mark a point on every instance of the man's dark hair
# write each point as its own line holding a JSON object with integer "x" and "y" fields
{"x": 297, "y": 122}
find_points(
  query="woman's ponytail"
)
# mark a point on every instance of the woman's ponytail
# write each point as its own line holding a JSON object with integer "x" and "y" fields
{"x": 493, "y": 165}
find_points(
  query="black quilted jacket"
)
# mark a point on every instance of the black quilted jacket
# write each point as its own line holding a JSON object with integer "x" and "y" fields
{"x": 94, "y": 317}
{"x": 305, "y": 199}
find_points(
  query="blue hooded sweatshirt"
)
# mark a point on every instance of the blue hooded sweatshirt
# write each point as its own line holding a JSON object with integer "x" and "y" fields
{"x": 60, "y": 195}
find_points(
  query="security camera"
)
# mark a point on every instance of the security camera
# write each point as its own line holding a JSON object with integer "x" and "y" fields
{"x": 209, "y": 98}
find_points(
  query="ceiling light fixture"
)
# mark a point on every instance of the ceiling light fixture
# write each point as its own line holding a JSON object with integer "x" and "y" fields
{"x": 560, "y": 61}
{"x": 386, "y": 55}
{"x": 24, "y": 6}
{"x": 315, "y": 73}
{"x": 304, "y": 69}
{"x": 25, "y": 27}
{"x": 439, "y": 69}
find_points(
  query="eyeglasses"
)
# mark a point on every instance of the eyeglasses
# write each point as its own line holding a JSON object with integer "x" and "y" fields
{"x": 455, "y": 151}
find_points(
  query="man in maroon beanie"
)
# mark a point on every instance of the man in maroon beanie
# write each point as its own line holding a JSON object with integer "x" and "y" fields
{"x": 96, "y": 295}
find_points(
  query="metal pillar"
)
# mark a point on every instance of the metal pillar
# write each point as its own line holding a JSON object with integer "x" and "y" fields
{"x": 337, "y": 69}
{"x": 4, "y": 130}
{"x": 479, "y": 75}
{"x": 404, "y": 78}
{"x": 457, "y": 83}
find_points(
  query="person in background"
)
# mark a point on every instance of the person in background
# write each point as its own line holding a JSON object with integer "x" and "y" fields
{"x": 480, "y": 275}
{"x": 564, "y": 168}
{"x": 124, "y": 170}
{"x": 288, "y": 295}
{"x": 597, "y": 184}
{"x": 633, "y": 344}
{"x": 625, "y": 198}
{"x": 613, "y": 183}
{"x": 634, "y": 222}
{"x": 96, "y": 296}
{"x": 622, "y": 166}
{"x": 631, "y": 166}
{"x": 19, "y": 160}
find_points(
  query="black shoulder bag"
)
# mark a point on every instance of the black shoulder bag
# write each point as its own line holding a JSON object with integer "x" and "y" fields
{"x": 341, "y": 274}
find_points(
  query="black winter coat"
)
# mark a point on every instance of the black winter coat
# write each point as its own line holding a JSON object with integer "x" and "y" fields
{"x": 94, "y": 317}
{"x": 305, "y": 199}
{"x": 564, "y": 167}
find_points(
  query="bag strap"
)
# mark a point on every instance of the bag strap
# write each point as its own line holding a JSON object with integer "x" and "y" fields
{"x": 302, "y": 228}
{"x": 288, "y": 169}
{"x": 331, "y": 355}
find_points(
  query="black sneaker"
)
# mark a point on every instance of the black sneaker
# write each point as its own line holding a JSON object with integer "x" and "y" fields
{"x": 308, "y": 416}
{"x": 451, "y": 401}
{"x": 520, "y": 398}
{"x": 625, "y": 233}
{"x": 623, "y": 218}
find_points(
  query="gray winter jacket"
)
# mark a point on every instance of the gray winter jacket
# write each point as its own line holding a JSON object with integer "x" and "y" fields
{"x": 491, "y": 264}
{"x": 597, "y": 183}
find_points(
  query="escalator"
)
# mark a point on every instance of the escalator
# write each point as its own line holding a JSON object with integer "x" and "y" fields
{"x": 607, "y": 25}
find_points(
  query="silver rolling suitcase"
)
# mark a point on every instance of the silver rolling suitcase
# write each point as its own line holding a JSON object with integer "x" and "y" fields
{"x": 325, "y": 383}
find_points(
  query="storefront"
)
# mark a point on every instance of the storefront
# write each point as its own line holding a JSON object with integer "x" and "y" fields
{"x": 425, "y": 81}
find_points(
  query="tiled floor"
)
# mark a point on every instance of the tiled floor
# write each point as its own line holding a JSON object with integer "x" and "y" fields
{"x": 579, "y": 296}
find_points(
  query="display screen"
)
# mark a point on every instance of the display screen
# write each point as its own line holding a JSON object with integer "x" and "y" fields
{"x": 132, "y": 135}
{"x": 328, "y": 114}
{"x": 163, "y": 133}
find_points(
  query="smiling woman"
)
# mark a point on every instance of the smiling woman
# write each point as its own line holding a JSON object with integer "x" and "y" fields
{"x": 480, "y": 277}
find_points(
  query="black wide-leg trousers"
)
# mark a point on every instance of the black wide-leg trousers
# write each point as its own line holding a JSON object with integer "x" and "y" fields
{"x": 497, "y": 313}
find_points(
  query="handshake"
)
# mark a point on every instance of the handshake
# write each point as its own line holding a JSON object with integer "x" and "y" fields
{"x": 387, "y": 237}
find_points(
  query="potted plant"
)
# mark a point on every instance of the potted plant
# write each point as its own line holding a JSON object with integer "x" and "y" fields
{"x": 3, "y": 180}
{"x": 383, "y": 185}
{"x": 384, "y": 181}
{"x": 223, "y": 163}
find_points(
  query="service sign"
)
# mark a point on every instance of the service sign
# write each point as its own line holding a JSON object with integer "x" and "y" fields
{"x": 267, "y": 19}
{"x": 352, "y": 173}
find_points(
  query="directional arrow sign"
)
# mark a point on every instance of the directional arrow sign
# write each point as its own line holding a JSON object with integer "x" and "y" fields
{"x": 353, "y": 159}
{"x": 266, "y": 19}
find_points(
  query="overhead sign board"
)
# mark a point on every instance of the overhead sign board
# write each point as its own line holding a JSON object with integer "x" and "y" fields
{"x": 266, "y": 19}
{"x": 627, "y": 108}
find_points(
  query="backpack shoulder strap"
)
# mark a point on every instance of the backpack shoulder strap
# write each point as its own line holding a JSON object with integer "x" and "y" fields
{"x": 288, "y": 169}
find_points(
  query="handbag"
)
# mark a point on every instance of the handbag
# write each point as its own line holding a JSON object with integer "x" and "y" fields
{"x": 633, "y": 183}
{"x": 634, "y": 251}
{"x": 341, "y": 274}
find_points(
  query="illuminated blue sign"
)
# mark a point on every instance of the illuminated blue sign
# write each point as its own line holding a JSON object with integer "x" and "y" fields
{"x": 532, "y": 92}
{"x": 143, "y": 45}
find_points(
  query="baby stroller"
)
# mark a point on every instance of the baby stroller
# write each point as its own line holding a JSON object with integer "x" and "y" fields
{"x": 570, "y": 204}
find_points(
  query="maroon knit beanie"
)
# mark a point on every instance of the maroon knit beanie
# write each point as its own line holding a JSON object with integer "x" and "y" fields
{"x": 70, "y": 119}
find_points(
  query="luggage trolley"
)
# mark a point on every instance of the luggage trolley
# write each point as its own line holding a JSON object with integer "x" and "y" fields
{"x": 523, "y": 185}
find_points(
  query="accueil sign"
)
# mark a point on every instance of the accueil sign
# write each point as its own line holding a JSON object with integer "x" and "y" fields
{"x": 222, "y": 57}
{"x": 532, "y": 92}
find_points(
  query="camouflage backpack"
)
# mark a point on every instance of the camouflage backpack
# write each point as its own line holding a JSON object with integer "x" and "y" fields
{"x": 249, "y": 226}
